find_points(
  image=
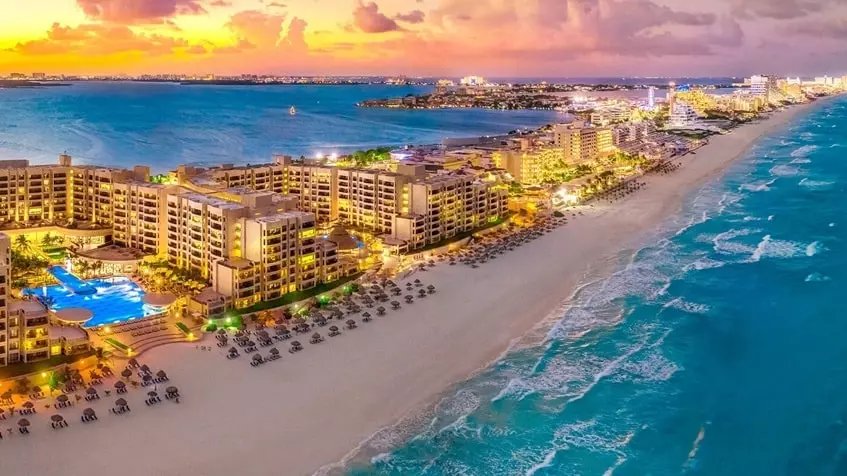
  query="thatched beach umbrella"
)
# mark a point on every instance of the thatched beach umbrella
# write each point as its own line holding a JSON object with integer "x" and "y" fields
{"x": 172, "y": 390}
{"x": 221, "y": 331}
{"x": 296, "y": 343}
{"x": 233, "y": 350}
{"x": 316, "y": 335}
{"x": 62, "y": 398}
{"x": 380, "y": 310}
{"x": 350, "y": 322}
{"x": 145, "y": 368}
{"x": 395, "y": 304}
{"x": 332, "y": 329}
{"x": 257, "y": 358}
{"x": 28, "y": 405}
{"x": 161, "y": 374}
{"x": 91, "y": 391}
{"x": 133, "y": 362}
{"x": 152, "y": 394}
{"x": 89, "y": 412}
{"x": 126, "y": 373}
{"x": 57, "y": 418}
{"x": 120, "y": 402}
{"x": 274, "y": 351}
{"x": 23, "y": 422}
{"x": 36, "y": 390}
{"x": 120, "y": 385}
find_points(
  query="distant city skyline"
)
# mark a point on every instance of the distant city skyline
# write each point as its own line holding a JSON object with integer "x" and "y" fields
{"x": 430, "y": 38}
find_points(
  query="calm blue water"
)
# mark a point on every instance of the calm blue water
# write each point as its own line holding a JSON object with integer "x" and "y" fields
{"x": 719, "y": 350}
{"x": 164, "y": 125}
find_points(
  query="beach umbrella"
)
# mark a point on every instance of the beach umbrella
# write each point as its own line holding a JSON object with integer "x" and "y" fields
{"x": 36, "y": 390}
{"x": 120, "y": 384}
{"x": 221, "y": 331}
{"x": 146, "y": 378}
{"x": 332, "y": 329}
{"x": 395, "y": 304}
{"x": 171, "y": 390}
{"x": 133, "y": 362}
{"x": 23, "y": 422}
{"x": 161, "y": 374}
{"x": 366, "y": 315}
{"x": 91, "y": 391}
{"x": 316, "y": 335}
{"x": 28, "y": 405}
{"x": 350, "y": 322}
{"x": 296, "y": 343}
{"x": 145, "y": 368}
{"x": 274, "y": 351}
{"x": 257, "y": 357}
{"x": 152, "y": 394}
{"x": 62, "y": 398}
{"x": 120, "y": 402}
{"x": 57, "y": 418}
{"x": 251, "y": 344}
{"x": 89, "y": 412}
{"x": 126, "y": 373}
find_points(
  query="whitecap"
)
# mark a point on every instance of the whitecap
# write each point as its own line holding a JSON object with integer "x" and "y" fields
{"x": 770, "y": 217}
{"x": 757, "y": 186}
{"x": 784, "y": 171}
{"x": 814, "y": 248}
{"x": 815, "y": 184}
{"x": 803, "y": 151}
{"x": 722, "y": 244}
{"x": 770, "y": 248}
{"x": 832, "y": 225}
{"x": 516, "y": 387}
{"x": 695, "y": 447}
{"x": 687, "y": 306}
{"x": 817, "y": 278}
{"x": 546, "y": 463}
{"x": 703, "y": 264}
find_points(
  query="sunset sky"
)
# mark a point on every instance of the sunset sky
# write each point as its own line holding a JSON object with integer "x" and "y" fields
{"x": 506, "y": 38}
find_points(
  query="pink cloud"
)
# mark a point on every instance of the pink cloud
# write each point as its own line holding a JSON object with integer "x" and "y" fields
{"x": 138, "y": 11}
{"x": 368, "y": 19}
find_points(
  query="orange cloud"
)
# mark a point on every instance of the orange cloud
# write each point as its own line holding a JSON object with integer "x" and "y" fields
{"x": 98, "y": 40}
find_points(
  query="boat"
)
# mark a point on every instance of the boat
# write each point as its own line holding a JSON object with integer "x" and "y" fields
{"x": 292, "y": 111}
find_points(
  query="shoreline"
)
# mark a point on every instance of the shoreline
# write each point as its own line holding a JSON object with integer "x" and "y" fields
{"x": 310, "y": 409}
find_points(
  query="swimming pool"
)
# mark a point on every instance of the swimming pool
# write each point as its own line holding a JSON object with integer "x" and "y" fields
{"x": 113, "y": 301}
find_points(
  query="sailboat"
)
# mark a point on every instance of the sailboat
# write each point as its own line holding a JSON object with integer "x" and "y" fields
{"x": 292, "y": 111}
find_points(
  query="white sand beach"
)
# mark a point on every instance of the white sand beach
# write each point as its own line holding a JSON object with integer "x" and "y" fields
{"x": 295, "y": 415}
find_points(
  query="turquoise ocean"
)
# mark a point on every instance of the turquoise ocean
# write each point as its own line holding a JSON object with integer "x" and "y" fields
{"x": 719, "y": 349}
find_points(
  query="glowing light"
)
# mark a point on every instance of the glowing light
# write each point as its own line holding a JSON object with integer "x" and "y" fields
{"x": 319, "y": 155}
{"x": 333, "y": 156}
{"x": 43, "y": 374}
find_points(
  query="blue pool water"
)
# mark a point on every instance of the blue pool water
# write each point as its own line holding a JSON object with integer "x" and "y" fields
{"x": 719, "y": 349}
{"x": 78, "y": 286}
{"x": 115, "y": 300}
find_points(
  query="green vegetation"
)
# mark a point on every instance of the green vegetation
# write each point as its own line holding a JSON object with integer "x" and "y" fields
{"x": 23, "y": 368}
{"x": 516, "y": 188}
{"x": 85, "y": 268}
{"x": 228, "y": 321}
{"x": 160, "y": 276}
{"x": 692, "y": 134}
{"x": 29, "y": 269}
{"x": 183, "y": 328}
{"x": 296, "y": 296}
{"x": 118, "y": 345}
{"x": 364, "y": 158}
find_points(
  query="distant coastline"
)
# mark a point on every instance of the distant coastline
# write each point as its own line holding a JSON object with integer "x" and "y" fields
{"x": 16, "y": 84}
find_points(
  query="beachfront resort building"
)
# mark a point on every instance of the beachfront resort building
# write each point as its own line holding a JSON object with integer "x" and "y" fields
{"x": 583, "y": 143}
{"x": 140, "y": 211}
{"x": 682, "y": 116}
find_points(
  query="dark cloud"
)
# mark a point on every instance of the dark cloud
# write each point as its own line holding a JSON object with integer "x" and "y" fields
{"x": 415, "y": 16}
{"x": 220, "y": 3}
{"x": 368, "y": 19}
{"x": 832, "y": 29}
{"x": 138, "y": 11}
{"x": 778, "y": 9}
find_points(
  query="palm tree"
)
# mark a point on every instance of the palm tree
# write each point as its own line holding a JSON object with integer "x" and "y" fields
{"x": 23, "y": 244}
{"x": 97, "y": 267}
{"x": 47, "y": 240}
